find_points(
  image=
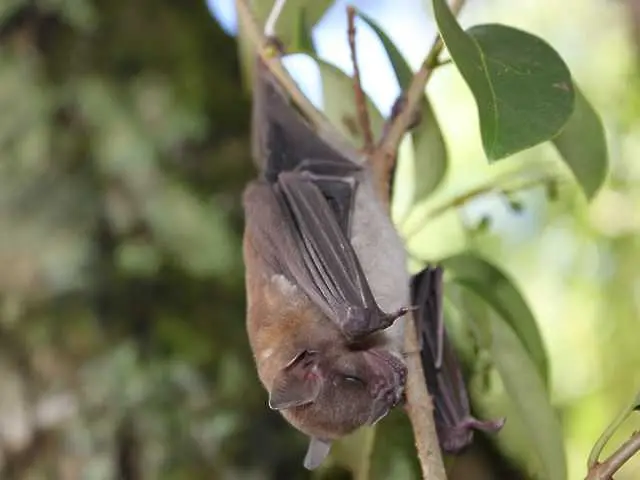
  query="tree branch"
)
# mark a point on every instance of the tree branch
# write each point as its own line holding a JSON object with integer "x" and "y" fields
{"x": 606, "y": 469}
{"x": 361, "y": 104}
{"x": 384, "y": 157}
{"x": 419, "y": 405}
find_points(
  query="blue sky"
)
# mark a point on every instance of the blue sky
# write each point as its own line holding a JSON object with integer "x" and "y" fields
{"x": 406, "y": 23}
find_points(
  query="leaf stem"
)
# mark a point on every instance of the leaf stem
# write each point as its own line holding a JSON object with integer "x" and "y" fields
{"x": 361, "y": 105}
{"x": 472, "y": 194}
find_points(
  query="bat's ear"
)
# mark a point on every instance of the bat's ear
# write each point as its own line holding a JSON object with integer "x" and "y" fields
{"x": 296, "y": 384}
{"x": 316, "y": 453}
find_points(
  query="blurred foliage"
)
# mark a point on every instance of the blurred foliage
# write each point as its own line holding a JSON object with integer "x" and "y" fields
{"x": 124, "y": 146}
{"x": 123, "y": 138}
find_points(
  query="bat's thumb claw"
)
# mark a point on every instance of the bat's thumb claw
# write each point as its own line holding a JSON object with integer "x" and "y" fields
{"x": 392, "y": 317}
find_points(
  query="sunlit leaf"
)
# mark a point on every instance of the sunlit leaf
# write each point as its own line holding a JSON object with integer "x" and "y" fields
{"x": 583, "y": 146}
{"x": 523, "y": 89}
{"x": 287, "y": 26}
{"x": 340, "y": 104}
{"x": 498, "y": 290}
{"x": 430, "y": 152}
{"x": 526, "y": 388}
{"x": 401, "y": 68}
{"x": 301, "y": 41}
{"x": 504, "y": 382}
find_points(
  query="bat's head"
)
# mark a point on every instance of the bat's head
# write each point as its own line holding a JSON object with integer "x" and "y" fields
{"x": 328, "y": 395}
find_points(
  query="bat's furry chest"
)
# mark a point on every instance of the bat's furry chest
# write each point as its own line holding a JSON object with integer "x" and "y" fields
{"x": 381, "y": 253}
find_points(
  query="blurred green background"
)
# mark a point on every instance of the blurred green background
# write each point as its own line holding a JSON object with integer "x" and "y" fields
{"x": 124, "y": 148}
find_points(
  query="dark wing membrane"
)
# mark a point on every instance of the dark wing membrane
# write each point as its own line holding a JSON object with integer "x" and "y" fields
{"x": 440, "y": 364}
{"x": 281, "y": 137}
{"x": 337, "y": 181}
{"x": 339, "y": 285}
{"x": 270, "y": 230}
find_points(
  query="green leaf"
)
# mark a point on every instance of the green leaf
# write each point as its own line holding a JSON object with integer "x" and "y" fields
{"x": 583, "y": 146}
{"x": 523, "y": 89}
{"x": 354, "y": 451}
{"x": 430, "y": 152}
{"x": 302, "y": 42}
{"x": 287, "y": 26}
{"x": 506, "y": 383}
{"x": 401, "y": 68}
{"x": 498, "y": 290}
{"x": 526, "y": 389}
{"x": 340, "y": 105}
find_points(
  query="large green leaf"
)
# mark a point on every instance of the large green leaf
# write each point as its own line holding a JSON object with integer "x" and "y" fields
{"x": 340, "y": 105}
{"x": 498, "y": 290}
{"x": 430, "y": 152}
{"x": 504, "y": 382}
{"x": 583, "y": 145}
{"x": 522, "y": 87}
{"x": 528, "y": 394}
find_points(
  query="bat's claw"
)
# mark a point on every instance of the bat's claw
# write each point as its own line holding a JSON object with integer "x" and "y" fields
{"x": 390, "y": 318}
{"x": 489, "y": 426}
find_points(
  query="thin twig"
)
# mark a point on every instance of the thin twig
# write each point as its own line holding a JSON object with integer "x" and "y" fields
{"x": 473, "y": 194}
{"x": 419, "y": 408}
{"x": 384, "y": 157}
{"x": 361, "y": 104}
{"x": 606, "y": 469}
{"x": 601, "y": 443}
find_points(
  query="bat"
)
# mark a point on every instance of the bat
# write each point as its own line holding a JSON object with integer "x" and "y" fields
{"x": 326, "y": 278}
{"x": 452, "y": 415}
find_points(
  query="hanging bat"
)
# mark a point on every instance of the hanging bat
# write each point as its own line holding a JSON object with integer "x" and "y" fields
{"x": 326, "y": 278}
{"x": 454, "y": 423}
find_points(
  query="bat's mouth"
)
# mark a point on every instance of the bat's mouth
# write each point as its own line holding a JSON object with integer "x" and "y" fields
{"x": 388, "y": 387}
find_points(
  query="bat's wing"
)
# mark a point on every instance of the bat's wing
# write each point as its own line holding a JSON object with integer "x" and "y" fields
{"x": 454, "y": 422}
{"x": 441, "y": 369}
{"x": 282, "y": 139}
{"x": 313, "y": 186}
{"x": 337, "y": 282}
{"x": 298, "y": 235}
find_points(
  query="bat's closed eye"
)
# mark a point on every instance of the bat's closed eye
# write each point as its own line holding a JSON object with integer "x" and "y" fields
{"x": 352, "y": 379}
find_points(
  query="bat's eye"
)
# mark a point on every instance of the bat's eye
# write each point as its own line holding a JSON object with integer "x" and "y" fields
{"x": 352, "y": 379}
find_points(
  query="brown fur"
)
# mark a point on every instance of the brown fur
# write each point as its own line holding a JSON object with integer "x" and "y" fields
{"x": 282, "y": 322}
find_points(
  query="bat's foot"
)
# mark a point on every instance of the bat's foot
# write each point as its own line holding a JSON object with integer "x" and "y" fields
{"x": 489, "y": 426}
